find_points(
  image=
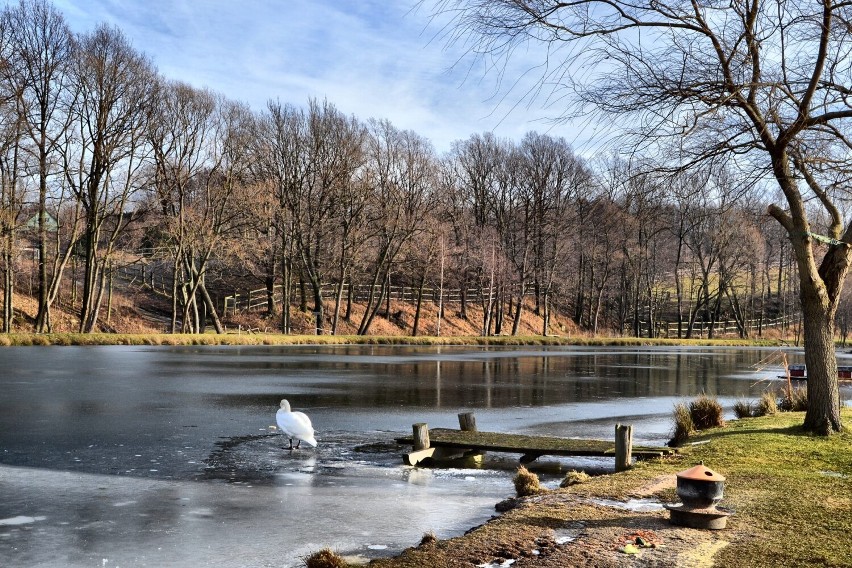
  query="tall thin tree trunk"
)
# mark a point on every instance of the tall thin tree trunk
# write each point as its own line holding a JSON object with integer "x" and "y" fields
{"x": 211, "y": 307}
{"x": 417, "y": 310}
{"x": 109, "y": 294}
{"x": 516, "y": 324}
{"x": 338, "y": 300}
{"x": 175, "y": 278}
{"x": 350, "y": 292}
{"x": 286, "y": 292}
{"x": 8, "y": 288}
{"x": 42, "y": 322}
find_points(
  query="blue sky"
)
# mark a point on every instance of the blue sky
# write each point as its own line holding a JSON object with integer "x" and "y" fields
{"x": 371, "y": 58}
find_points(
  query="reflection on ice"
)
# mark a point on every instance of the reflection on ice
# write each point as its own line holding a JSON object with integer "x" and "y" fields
{"x": 294, "y": 478}
{"x": 20, "y": 520}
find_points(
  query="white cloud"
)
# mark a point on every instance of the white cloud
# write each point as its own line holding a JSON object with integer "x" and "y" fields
{"x": 370, "y": 58}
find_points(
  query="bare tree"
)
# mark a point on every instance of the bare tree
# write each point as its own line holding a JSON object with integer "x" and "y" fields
{"x": 475, "y": 165}
{"x": 12, "y": 196}
{"x": 217, "y": 209}
{"x": 180, "y": 132}
{"x": 553, "y": 178}
{"x": 105, "y": 151}
{"x": 319, "y": 153}
{"x": 41, "y": 52}
{"x": 280, "y": 154}
{"x": 12, "y": 165}
{"x": 761, "y": 84}
{"x": 401, "y": 170}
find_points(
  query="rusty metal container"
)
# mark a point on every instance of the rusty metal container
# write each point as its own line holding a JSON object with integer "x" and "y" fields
{"x": 700, "y": 489}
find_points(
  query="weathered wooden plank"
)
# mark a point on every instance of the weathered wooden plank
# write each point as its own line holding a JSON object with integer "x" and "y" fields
{"x": 531, "y": 445}
{"x": 413, "y": 458}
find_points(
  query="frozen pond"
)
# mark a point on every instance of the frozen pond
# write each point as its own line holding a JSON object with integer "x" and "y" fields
{"x": 163, "y": 456}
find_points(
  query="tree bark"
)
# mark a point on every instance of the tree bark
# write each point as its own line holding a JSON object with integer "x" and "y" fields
{"x": 823, "y": 414}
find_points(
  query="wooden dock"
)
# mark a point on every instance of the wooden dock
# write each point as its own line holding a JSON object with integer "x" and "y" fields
{"x": 530, "y": 447}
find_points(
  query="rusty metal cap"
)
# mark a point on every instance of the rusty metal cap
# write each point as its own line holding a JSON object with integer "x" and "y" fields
{"x": 700, "y": 473}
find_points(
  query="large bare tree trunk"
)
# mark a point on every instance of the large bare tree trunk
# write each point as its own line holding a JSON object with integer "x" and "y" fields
{"x": 823, "y": 414}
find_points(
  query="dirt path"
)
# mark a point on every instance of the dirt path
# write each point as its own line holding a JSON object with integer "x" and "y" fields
{"x": 559, "y": 529}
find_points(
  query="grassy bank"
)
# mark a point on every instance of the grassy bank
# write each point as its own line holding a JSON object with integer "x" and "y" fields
{"x": 280, "y": 339}
{"x": 791, "y": 493}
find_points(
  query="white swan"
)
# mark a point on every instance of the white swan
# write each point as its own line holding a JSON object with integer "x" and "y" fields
{"x": 295, "y": 425}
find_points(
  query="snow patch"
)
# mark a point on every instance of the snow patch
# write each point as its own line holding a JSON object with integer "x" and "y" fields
{"x": 635, "y": 505}
{"x": 504, "y": 564}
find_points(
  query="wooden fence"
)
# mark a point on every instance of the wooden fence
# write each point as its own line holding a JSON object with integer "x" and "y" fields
{"x": 152, "y": 275}
{"x": 146, "y": 274}
{"x": 253, "y": 300}
{"x": 701, "y": 329}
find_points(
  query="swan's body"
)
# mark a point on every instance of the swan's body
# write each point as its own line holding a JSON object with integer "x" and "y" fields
{"x": 295, "y": 425}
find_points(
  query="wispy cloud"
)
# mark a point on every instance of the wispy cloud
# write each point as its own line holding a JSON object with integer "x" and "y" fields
{"x": 370, "y": 58}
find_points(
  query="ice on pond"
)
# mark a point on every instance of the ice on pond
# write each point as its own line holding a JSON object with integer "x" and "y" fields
{"x": 377, "y": 546}
{"x": 20, "y": 520}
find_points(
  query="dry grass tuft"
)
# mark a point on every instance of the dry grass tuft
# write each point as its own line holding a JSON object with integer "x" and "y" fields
{"x": 574, "y": 477}
{"x": 744, "y": 409}
{"x": 428, "y": 539}
{"x": 794, "y": 400}
{"x": 526, "y": 483}
{"x": 325, "y": 558}
{"x": 706, "y": 412}
{"x": 766, "y": 406}
{"x": 683, "y": 425}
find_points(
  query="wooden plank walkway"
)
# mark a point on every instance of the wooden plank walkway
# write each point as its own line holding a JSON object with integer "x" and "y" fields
{"x": 531, "y": 447}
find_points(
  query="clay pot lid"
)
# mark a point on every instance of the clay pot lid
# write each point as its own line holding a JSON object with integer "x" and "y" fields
{"x": 700, "y": 473}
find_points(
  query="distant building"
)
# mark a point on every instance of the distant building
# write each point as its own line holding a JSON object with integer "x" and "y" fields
{"x": 52, "y": 225}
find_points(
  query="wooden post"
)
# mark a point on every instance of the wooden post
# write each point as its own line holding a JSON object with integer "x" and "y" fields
{"x": 623, "y": 446}
{"x": 467, "y": 422}
{"x": 421, "y": 436}
{"x": 422, "y": 450}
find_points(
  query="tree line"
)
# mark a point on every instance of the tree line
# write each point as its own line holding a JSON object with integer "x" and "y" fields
{"x": 102, "y": 157}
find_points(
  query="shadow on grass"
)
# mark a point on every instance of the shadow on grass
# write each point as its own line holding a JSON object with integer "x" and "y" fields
{"x": 796, "y": 431}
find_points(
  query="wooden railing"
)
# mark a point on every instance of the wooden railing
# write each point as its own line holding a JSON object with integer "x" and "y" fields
{"x": 252, "y": 300}
{"x": 701, "y": 329}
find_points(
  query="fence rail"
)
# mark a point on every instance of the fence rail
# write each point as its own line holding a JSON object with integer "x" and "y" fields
{"x": 146, "y": 274}
{"x": 701, "y": 329}
{"x": 253, "y": 300}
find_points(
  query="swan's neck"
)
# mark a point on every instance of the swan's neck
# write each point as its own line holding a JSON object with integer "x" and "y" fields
{"x": 285, "y": 406}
